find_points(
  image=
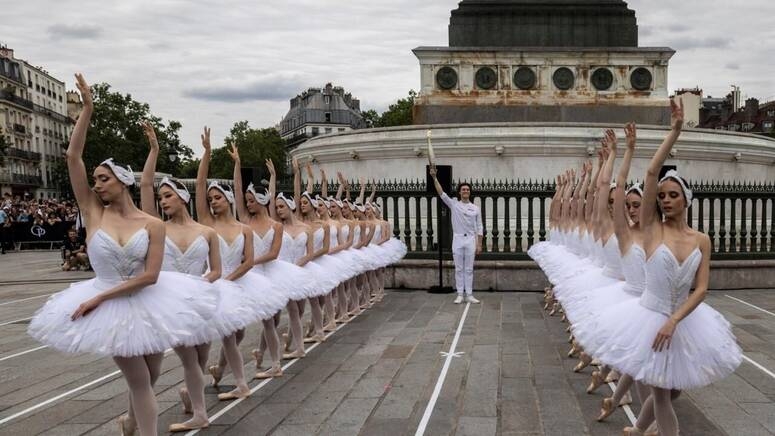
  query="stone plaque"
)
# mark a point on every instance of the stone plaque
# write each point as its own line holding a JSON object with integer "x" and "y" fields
{"x": 640, "y": 79}
{"x": 525, "y": 78}
{"x": 563, "y": 78}
{"x": 446, "y": 78}
{"x": 602, "y": 79}
{"x": 486, "y": 78}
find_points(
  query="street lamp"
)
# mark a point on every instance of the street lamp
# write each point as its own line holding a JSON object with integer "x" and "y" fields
{"x": 172, "y": 154}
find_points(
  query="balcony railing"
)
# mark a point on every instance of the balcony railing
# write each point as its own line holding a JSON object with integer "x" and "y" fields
{"x": 24, "y": 179}
{"x": 50, "y": 113}
{"x": 23, "y": 154}
{"x": 13, "y": 98}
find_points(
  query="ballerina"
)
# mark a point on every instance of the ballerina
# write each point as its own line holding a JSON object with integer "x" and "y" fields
{"x": 132, "y": 310}
{"x": 253, "y": 294}
{"x": 252, "y": 210}
{"x": 202, "y": 247}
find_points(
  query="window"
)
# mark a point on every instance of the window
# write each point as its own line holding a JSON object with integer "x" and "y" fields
{"x": 341, "y": 129}
{"x": 328, "y": 117}
{"x": 771, "y": 113}
{"x": 734, "y": 127}
{"x": 315, "y": 131}
{"x": 747, "y": 127}
{"x": 327, "y": 99}
{"x": 328, "y": 130}
{"x": 767, "y": 125}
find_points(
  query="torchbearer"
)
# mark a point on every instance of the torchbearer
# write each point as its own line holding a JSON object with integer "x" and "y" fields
{"x": 467, "y": 233}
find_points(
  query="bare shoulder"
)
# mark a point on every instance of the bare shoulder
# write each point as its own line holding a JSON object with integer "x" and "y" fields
{"x": 703, "y": 240}
{"x": 277, "y": 226}
{"x": 153, "y": 224}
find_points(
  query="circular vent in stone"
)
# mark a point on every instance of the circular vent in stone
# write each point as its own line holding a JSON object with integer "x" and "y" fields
{"x": 446, "y": 78}
{"x": 486, "y": 78}
{"x": 602, "y": 79}
{"x": 563, "y": 78}
{"x": 640, "y": 79}
{"x": 525, "y": 78}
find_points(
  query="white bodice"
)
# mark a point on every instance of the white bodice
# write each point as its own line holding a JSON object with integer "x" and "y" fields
{"x": 598, "y": 257}
{"x": 262, "y": 245}
{"x": 231, "y": 255}
{"x": 612, "y": 258}
{"x": 317, "y": 238}
{"x": 299, "y": 246}
{"x": 287, "y": 250}
{"x": 334, "y": 236}
{"x": 114, "y": 263}
{"x": 193, "y": 261}
{"x": 634, "y": 270}
{"x": 668, "y": 282}
{"x": 377, "y": 234}
{"x": 356, "y": 234}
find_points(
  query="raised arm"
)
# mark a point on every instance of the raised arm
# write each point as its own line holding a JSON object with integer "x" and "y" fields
{"x": 203, "y": 214}
{"x": 310, "y": 178}
{"x": 297, "y": 186}
{"x": 147, "y": 197}
{"x": 373, "y": 192}
{"x": 239, "y": 192}
{"x": 87, "y": 200}
{"x": 272, "y": 189}
{"x": 649, "y": 205}
{"x": 342, "y": 184}
{"x": 323, "y": 184}
{"x": 604, "y": 180}
{"x": 436, "y": 184}
{"x": 589, "y": 202}
{"x": 362, "y": 180}
{"x": 621, "y": 224}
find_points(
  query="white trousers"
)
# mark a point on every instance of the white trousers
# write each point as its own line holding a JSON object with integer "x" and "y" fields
{"x": 463, "y": 252}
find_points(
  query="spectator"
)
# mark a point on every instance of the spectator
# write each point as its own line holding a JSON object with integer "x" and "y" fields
{"x": 75, "y": 256}
{"x": 5, "y": 227}
{"x": 23, "y": 216}
{"x": 53, "y": 219}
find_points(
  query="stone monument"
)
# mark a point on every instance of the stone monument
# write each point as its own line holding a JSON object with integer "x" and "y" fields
{"x": 553, "y": 61}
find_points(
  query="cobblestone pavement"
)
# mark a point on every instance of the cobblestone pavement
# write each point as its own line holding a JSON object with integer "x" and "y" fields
{"x": 377, "y": 374}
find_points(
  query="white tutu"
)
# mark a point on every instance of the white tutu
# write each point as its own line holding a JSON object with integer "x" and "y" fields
{"x": 352, "y": 260}
{"x": 379, "y": 256}
{"x": 336, "y": 268}
{"x": 362, "y": 259}
{"x": 702, "y": 351}
{"x": 324, "y": 281}
{"x": 291, "y": 279}
{"x": 268, "y": 300}
{"x": 235, "y": 309}
{"x": 172, "y": 312}
{"x": 396, "y": 248}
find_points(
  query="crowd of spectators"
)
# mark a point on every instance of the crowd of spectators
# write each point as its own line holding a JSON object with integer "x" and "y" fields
{"x": 52, "y": 222}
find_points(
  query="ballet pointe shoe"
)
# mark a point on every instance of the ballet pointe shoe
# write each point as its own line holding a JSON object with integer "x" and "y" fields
{"x": 259, "y": 357}
{"x": 567, "y": 329}
{"x": 595, "y": 382}
{"x": 188, "y": 426}
{"x": 555, "y": 308}
{"x": 564, "y": 318}
{"x": 606, "y": 409}
{"x": 275, "y": 371}
{"x": 652, "y": 430}
{"x": 583, "y": 363}
{"x": 575, "y": 350}
{"x": 632, "y": 431}
{"x": 216, "y": 373}
{"x": 294, "y": 355}
{"x": 315, "y": 338}
{"x": 126, "y": 426}
{"x": 233, "y": 395}
{"x": 612, "y": 376}
{"x": 331, "y": 326}
{"x": 626, "y": 400}
{"x": 186, "y": 400}
{"x": 570, "y": 338}
{"x": 287, "y": 342}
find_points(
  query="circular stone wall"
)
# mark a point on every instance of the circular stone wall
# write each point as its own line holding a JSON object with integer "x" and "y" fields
{"x": 532, "y": 151}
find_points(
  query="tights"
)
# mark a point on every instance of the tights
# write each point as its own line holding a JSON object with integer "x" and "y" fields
{"x": 230, "y": 354}
{"x": 317, "y": 315}
{"x": 295, "y": 335}
{"x": 660, "y": 405}
{"x": 328, "y": 305}
{"x": 193, "y": 370}
{"x": 270, "y": 339}
{"x": 141, "y": 372}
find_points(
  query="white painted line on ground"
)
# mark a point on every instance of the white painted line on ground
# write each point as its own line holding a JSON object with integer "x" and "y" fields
{"x": 265, "y": 382}
{"x": 15, "y": 321}
{"x": 22, "y": 353}
{"x": 25, "y": 299}
{"x": 627, "y": 409}
{"x": 440, "y": 382}
{"x": 750, "y": 305}
{"x": 758, "y": 365}
{"x": 63, "y": 395}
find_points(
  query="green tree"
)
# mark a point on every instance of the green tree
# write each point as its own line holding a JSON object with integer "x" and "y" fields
{"x": 371, "y": 117}
{"x": 255, "y": 146}
{"x": 115, "y": 132}
{"x": 397, "y": 114}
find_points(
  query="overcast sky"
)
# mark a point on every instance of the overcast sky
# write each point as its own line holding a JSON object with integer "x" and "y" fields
{"x": 203, "y": 63}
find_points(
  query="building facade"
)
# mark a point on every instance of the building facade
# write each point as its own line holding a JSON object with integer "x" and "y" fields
{"x": 320, "y": 111}
{"x": 722, "y": 114}
{"x": 35, "y": 125}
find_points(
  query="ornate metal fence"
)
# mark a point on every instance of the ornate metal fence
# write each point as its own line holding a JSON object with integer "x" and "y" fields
{"x": 738, "y": 217}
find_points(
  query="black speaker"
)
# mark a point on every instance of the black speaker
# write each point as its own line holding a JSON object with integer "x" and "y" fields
{"x": 443, "y": 174}
{"x": 665, "y": 169}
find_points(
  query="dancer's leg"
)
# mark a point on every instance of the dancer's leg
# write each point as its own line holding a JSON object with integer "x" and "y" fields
{"x": 295, "y": 336}
{"x": 317, "y": 317}
{"x": 328, "y": 304}
{"x": 195, "y": 386}
{"x": 234, "y": 359}
{"x": 223, "y": 361}
{"x": 203, "y": 353}
{"x": 667, "y": 422}
{"x": 144, "y": 409}
{"x": 625, "y": 382}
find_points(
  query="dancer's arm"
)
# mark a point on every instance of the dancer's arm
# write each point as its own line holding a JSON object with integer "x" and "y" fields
{"x": 600, "y": 217}
{"x": 373, "y": 192}
{"x": 297, "y": 187}
{"x": 88, "y": 201}
{"x": 147, "y": 197}
{"x": 247, "y": 255}
{"x": 342, "y": 183}
{"x": 701, "y": 279}
{"x": 310, "y": 179}
{"x": 150, "y": 274}
{"x": 589, "y": 202}
{"x": 203, "y": 214}
{"x": 362, "y": 180}
{"x": 272, "y": 189}
{"x": 323, "y": 184}
{"x": 214, "y": 256}
{"x": 575, "y": 206}
{"x": 649, "y": 213}
{"x": 310, "y": 253}
{"x": 239, "y": 192}
{"x": 274, "y": 250}
{"x": 621, "y": 224}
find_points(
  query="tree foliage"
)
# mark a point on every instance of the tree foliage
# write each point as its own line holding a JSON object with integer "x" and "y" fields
{"x": 254, "y": 145}
{"x": 397, "y": 114}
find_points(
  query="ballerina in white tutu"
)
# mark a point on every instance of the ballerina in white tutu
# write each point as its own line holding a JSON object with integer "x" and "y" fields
{"x": 188, "y": 248}
{"x": 364, "y": 232}
{"x": 294, "y": 281}
{"x": 243, "y": 302}
{"x": 342, "y": 214}
{"x": 131, "y": 311}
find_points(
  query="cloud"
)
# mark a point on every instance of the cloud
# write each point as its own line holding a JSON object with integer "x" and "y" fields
{"x": 691, "y": 43}
{"x": 75, "y": 31}
{"x": 732, "y": 66}
{"x": 272, "y": 88}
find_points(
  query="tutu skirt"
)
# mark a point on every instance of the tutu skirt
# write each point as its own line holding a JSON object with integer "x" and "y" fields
{"x": 324, "y": 280}
{"x": 175, "y": 311}
{"x": 702, "y": 350}
{"x": 267, "y": 300}
{"x": 396, "y": 248}
{"x": 236, "y": 308}
{"x": 291, "y": 279}
{"x": 336, "y": 267}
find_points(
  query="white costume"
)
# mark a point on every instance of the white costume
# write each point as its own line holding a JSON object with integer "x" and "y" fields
{"x": 466, "y": 226}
